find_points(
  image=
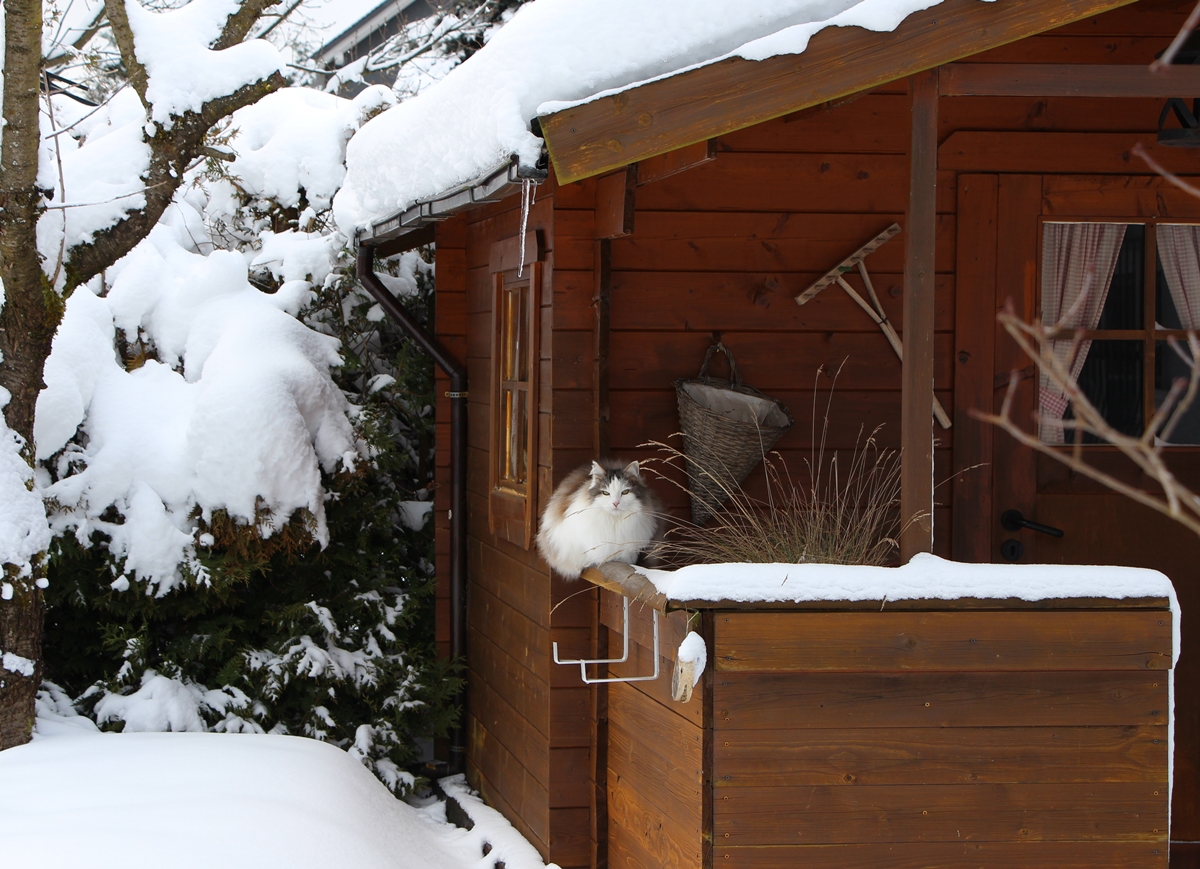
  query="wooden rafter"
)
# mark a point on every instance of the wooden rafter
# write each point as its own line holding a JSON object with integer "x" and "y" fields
{"x": 718, "y": 98}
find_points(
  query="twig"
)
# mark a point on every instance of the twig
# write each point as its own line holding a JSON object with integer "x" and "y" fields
{"x": 1144, "y": 450}
{"x": 1160, "y": 64}
{"x": 1140, "y": 151}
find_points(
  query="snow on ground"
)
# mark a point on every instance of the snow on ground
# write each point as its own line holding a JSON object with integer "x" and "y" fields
{"x": 554, "y": 52}
{"x": 78, "y": 797}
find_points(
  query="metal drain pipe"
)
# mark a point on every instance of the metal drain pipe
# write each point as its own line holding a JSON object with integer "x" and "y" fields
{"x": 457, "y": 373}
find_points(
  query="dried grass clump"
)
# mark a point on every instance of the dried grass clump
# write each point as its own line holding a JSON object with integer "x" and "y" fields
{"x": 844, "y": 513}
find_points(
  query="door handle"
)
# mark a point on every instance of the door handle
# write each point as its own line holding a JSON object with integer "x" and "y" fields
{"x": 1012, "y": 520}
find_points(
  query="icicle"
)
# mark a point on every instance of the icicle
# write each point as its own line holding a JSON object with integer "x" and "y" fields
{"x": 528, "y": 187}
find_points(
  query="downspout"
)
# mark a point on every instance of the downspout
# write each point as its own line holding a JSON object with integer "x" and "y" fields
{"x": 458, "y": 478}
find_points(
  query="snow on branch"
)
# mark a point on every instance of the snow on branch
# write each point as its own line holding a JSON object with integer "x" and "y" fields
{"x": 190, "y": 70}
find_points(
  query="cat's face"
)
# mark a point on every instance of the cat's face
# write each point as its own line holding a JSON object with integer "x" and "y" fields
{"x": 616, "y": 491}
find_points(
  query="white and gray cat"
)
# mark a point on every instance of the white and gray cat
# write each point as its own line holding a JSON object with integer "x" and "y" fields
{"x": 602, "y": 512}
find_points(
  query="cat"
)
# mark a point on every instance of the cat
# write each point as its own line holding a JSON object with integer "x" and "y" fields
{"x": 602, "y": 512}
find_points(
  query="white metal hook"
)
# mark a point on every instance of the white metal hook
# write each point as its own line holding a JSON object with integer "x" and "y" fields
{"x": 583, "y": 663}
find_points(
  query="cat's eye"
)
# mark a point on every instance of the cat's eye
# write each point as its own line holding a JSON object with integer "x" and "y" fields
{"x": 625, "y": 491}
{"x": 604, "y": 491}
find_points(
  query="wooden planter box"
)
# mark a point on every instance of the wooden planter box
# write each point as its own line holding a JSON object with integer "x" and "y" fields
{"x": 930, "y": 734}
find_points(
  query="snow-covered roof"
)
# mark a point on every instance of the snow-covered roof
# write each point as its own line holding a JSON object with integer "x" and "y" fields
{"x": 355, "y": 20}
{"x": 558, "y": 52}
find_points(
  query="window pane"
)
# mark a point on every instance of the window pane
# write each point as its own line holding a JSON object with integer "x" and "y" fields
{"x": 1168, "y": 367}
{"x": 1165, "y": 315}
{"x": 506, "y": 465}
{"x": 521, "y": 472}
{"x": 1111, "y": 378}
{"x": 1123, "y": 306}
{"x": 521, "y": 348}
{"x": 508, "y": 336}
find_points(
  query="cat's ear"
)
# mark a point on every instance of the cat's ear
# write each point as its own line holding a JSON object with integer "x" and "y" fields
{"x": 597, "y": 474}
{"x": 632, "y": 470}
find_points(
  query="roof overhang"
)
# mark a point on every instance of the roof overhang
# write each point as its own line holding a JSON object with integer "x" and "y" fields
{"x": 398, "y": 231}
{"x": 669, "y": 113}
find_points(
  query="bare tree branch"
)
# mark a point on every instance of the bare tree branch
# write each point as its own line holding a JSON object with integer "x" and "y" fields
{"x": 1177, "y": 501}
{"x": 171, "y": 151}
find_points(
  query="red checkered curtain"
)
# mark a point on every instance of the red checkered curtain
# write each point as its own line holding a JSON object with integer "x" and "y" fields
{"x": 1179, "y": 252}
{"x": 1078, "y": 261}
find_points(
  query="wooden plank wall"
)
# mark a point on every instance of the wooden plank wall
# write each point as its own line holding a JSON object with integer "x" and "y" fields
{"x": 953, "y": 738}
{"x": 530, "y": 723}
{"x": 656, "y": 788}
{"x": 725, "y": 246}
{"x": 508, "y": 591}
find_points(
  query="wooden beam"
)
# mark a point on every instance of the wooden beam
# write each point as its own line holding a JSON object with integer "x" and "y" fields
{"x": 1054, "y": 153}
{"x": 615, "y": 199}
{"x": 718, "y": 98}
{"x": 1067, "y": 80}
{"x": 916, "y": 408}
{"x": 674, "y": 162}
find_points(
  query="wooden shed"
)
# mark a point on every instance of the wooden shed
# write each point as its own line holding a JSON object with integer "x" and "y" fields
{"x": 705, "y": 202}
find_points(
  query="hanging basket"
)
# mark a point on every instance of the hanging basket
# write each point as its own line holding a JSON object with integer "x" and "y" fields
{"x": 728, "y": 428}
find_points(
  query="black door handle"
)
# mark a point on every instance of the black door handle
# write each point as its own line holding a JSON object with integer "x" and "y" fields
{"x": 1012, "y": 520}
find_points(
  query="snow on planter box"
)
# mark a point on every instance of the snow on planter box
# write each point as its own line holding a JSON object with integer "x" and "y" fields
{"x": 935, "y": 714}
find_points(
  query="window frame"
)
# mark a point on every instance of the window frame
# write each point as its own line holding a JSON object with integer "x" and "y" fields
{"x": 1149, "y": 334}
{"x": 511, "y": 503}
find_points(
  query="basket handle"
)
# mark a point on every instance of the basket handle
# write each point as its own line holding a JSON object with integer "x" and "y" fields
{"x": 735, "y": 377}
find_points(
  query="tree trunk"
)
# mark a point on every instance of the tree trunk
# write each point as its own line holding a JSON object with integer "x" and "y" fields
{"x": 27, "y": 322}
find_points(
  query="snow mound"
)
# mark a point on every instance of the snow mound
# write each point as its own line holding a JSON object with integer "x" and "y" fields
{"x": 183, "y": 800}
{"x": 556, "y": 52}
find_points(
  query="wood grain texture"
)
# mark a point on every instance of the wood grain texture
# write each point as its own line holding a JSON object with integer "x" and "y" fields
{"x": 939, "y": 755}
{"x": 947, "y": 855}
{"x": 830, "y": 183}
{"x": 781, "y": 701}
{"x": 722, "y": 97}
{"x": 857, "y": 642}
{"x": 1087, "y": 196}
{"x": 974, "y": 351}
{"x": 774, "y": 241}
{"x": 1066, "y": 80}
{"x": 1051, "y": 152}
{"x": 655, "y": 360}
{"x": 1129, "y": 812}
{"x": 916, "y": 406}
{"x": 1019, "y": 201}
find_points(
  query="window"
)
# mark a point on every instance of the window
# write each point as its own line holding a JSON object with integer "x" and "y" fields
{"x": 514, "y": 404}
{"x": 1130, "y": 287}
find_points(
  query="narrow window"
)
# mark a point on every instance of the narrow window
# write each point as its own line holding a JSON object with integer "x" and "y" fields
{"x": 1130, "y": 288}
{"x": 514, "y": 404}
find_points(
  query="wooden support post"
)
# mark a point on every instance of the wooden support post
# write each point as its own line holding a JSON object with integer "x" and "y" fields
{"x": 916, "y": 416}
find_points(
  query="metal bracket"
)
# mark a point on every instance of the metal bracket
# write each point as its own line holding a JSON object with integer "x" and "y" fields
{"x": 583, "y": 663}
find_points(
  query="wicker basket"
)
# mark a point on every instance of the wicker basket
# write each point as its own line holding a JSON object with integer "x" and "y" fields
{"x": 728, "y": 428}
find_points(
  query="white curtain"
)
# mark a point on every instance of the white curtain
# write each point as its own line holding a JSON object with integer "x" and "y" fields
{"x": 1179, "y": 251}
{"x": 1078, "y": 261}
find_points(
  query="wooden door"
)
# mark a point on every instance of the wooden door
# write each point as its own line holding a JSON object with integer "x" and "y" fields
{"x": 999, "y": 228}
